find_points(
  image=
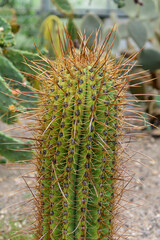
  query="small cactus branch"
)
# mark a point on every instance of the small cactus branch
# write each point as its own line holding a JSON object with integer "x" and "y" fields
{"x": 8, "y": 105}
{"x": 13, "y": 149}
{"x": 17, "y": 81}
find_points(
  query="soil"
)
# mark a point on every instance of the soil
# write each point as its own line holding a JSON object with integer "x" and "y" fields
{"x": 142, "y": 220}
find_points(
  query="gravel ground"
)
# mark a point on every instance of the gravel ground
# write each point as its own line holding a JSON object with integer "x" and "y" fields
{"x": 143, "y": 220}
{"x": 145, "y": 216}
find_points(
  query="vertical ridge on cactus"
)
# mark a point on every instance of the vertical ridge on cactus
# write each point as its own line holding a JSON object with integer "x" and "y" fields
{"x": 79, "y": 155}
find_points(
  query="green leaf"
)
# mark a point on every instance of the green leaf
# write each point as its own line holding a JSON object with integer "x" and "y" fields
{"x": 12, "y": 149}
{"x": 138, "y": 32}
{"x": 6, "y": 36}
{"x": 130, "y": 8}
{"x": 150, "y": 29}
{"x": 91, "y": 23}
{"x": 122, "y": 30}
{"x": 114, "y": 38}
{"x": 150, "y": 59}
{"x": 72, "y": 29}
{"x": 148, "y": 10}
{"x": 63, "y": 6}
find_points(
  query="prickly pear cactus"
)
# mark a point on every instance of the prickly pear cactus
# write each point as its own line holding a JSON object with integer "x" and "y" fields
{"x": 16, "y": 93}
{"x": 79, "y": 132}
{"x": 6, "y": 37}
{"x": 92, "y": 23}
{"x": 13, "y": 149}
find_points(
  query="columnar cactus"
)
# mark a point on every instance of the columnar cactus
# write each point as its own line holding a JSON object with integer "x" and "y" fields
{"x": 79, "y": 132}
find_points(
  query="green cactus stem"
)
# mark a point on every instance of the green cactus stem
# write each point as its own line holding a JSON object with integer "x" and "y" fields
{"x": 19, "y": 59}
{"x": 6, "y": 36}
{"x": 13, "y": 149}
{"x": 72, "y": 29}
{"x": 16, "y": 80}
{"x": 7, "y": 103}
{"x": 79, "y": 129}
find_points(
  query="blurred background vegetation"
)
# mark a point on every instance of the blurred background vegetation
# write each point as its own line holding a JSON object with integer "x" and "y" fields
{"x": 26, "y": 25}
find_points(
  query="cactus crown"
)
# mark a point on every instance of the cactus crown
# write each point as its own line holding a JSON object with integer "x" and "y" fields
{"x": 78, "y": 157}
